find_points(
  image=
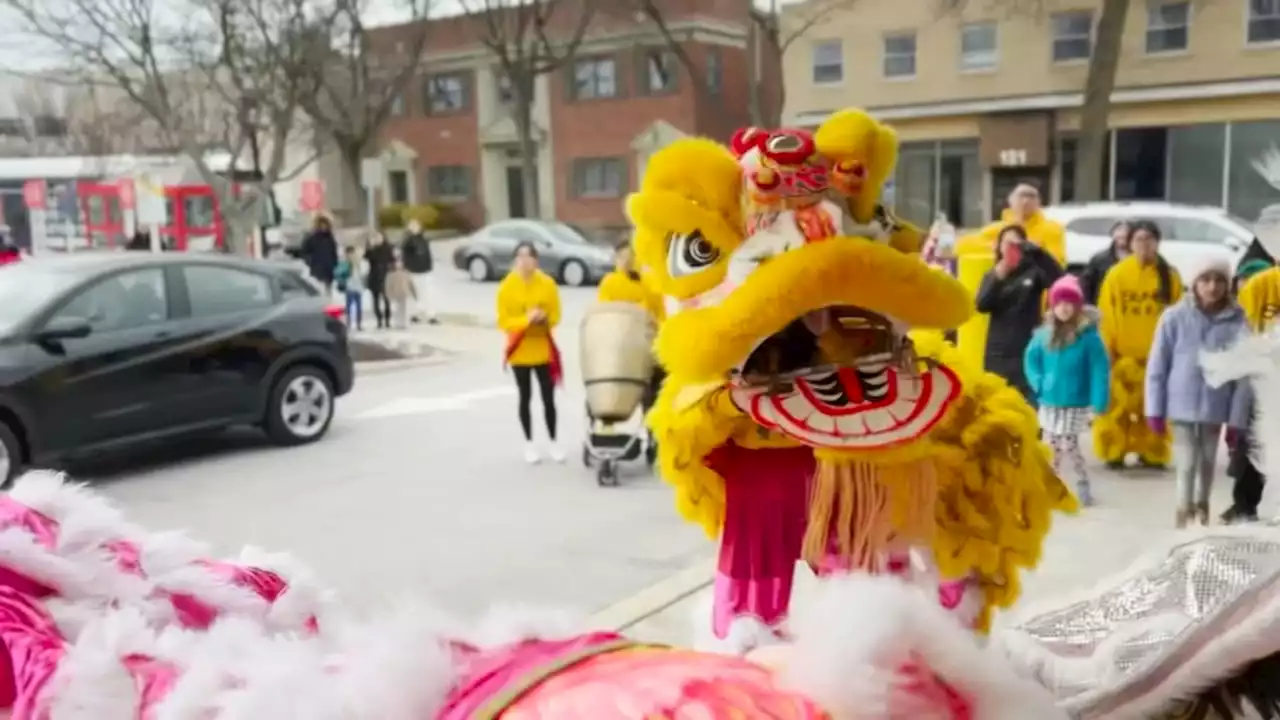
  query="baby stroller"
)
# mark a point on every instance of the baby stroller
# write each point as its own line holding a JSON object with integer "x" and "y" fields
{"x": 617, "y": 369}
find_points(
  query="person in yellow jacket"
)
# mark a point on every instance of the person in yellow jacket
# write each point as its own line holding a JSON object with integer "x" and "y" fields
{"x": 625, "y": 284}
{"x": 975, "y": 257}
{"x": 1024, "y": 209}
{"x": 1133, "y": 295}
{"x": 528, "y": 309}
{"x": 1260, "y": 296}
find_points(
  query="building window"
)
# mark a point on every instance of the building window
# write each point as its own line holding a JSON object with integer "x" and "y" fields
{"x": 599, "y": 177}
{"x": 1072, "y": 35}
{"x": 978, "y": 46}
{"x": 1250, "y": 190}
{"x": 595, "y": 78}
{"x": 398, "y": 187}
{"x": 934, "y": 178}
{"x": 715, "y": 71}
{"x": 1195, "y": 157}
{"x": 900, "y": 55}
{"x": 1264, "y": 21}
{"x": 506, "y": 90}
{"x": 660, "y": 69}
{"x": 49, "y": 126}
{"x": 828, "y": 62}
{"x": 446, "y": 94}
{"x": 1167, "y": 27}
{"x": 449, "y": 181}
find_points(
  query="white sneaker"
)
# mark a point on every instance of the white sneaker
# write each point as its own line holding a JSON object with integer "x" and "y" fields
{"x": 531, "y": 454}
{"x": 557, "y": 454}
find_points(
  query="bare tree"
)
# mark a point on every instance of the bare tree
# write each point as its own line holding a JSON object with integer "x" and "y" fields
{"x": 223, "y": 76}
{"x": 361, "y": 85}
{"x": 529, "y": 38}
{"x": 1100, "y": 82}
{"x": 771, "y": 34}
{"x": 56, "y": 118}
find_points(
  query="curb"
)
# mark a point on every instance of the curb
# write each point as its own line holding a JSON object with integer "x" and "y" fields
{"x": 656, "y": 598}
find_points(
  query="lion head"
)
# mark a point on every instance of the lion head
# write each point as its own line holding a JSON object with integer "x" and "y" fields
{"x": 806, "y": 329}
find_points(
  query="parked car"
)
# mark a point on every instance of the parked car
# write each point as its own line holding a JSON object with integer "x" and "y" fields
{"x": 103, "y": 350}
{"x": 563, "y": 252}
{"x": 1190, "y": 232}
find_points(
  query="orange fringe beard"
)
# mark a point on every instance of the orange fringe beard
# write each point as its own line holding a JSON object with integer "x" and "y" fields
{"x": 859, "y": 512}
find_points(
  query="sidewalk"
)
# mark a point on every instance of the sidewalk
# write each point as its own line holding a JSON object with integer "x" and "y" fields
{"x": 1134, "y": 511}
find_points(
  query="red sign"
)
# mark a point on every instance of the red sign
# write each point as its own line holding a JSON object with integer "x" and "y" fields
{"x": 312, "y": 199}
{"x": 128, "y": 194}
{"x": 36, "y": 194}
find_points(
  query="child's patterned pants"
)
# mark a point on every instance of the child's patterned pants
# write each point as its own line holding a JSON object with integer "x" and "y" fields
{"x": 1066, "y": 449}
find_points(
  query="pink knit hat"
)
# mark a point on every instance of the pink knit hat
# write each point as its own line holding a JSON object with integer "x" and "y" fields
{"x": 1066, "y": 289}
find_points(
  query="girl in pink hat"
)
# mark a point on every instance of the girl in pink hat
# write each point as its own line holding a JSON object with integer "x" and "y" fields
{"x": 1067, "y": 368}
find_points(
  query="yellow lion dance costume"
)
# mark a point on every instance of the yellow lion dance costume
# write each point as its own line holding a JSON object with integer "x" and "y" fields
{"x": 798, "y": 420}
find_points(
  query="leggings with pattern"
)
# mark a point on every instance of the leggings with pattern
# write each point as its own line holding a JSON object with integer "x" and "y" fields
{"x": 1066, "y": 448}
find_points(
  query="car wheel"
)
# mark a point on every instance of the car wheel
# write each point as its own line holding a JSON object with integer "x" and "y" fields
{"x": 478, "y": 269}
{"x": 10, "y": 455}
{"x": 573, "y": 274}
{"x": 301, "y": 407}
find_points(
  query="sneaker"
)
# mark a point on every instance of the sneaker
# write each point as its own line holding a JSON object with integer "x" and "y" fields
{"x": 1115, "y": 465}
{"x": 557, "y": 454}
{"x": 531, "y": 454}
{"x": 433, "y": 321}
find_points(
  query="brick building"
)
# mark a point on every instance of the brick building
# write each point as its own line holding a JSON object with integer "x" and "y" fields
{"x": 596, "y": 119}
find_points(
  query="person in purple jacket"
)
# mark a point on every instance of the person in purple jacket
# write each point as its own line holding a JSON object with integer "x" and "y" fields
{"x": 1206, "y": 319}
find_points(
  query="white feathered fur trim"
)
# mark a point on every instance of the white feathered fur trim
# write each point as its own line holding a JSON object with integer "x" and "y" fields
{"x": 395, "y": 668}
{"x": 1235, "y": 648}
{"x": 89, "y": 579}
{"x": 745, "y": 633}
{"x": 856, "y": 630}
{"x": 1255, "y": 358}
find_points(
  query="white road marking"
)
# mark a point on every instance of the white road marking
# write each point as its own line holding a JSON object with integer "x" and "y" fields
{"x": 426, "y": 405}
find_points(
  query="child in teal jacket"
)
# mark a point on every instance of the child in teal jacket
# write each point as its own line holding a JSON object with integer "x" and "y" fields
{"x": 1067, "y": 368}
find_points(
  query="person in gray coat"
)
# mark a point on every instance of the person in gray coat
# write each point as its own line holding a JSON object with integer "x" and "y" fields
{"x": 1206, "y": 319}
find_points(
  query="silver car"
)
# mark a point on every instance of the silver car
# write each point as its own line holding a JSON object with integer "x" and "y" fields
{"x": 563, "y": 252}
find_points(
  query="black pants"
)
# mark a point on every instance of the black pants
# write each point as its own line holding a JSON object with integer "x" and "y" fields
{"x": 524, "y": 385}
{"x": 655, "y": 384}
{"x": 1246, "y": 493}
{"x": 381, "y": 306}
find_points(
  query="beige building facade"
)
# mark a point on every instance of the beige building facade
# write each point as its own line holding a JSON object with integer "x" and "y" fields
{"x": 985, "y": 98}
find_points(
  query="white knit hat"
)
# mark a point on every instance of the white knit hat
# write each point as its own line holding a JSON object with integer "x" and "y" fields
{"x": 1205, "y": 264}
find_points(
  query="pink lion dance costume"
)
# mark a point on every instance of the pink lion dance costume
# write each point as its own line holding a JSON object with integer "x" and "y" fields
{"x": 101, "y": 620}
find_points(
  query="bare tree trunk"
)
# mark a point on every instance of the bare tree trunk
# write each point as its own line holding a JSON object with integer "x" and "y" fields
{"x": 522, "y": 89}
{"x": 1091, "y": 146}
{"x": 352, "y": 155}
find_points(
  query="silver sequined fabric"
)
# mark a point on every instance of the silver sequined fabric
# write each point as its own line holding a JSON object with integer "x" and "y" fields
{"x": 1125, "y": 631}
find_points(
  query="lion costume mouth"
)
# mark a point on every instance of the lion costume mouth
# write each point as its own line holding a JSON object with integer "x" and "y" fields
{"x": 843, "y": 378}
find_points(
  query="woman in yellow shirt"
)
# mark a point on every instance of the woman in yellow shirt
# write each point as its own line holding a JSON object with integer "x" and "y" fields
{"x": 1134, "y": 293}
{"x": 528, "y": 308}
{"x": 624, "y": 284}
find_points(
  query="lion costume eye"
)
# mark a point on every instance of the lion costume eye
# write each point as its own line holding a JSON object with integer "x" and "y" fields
{"x": 687, "y": 254}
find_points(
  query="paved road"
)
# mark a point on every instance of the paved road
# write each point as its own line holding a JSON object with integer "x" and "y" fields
{"x": 421, "y": 487}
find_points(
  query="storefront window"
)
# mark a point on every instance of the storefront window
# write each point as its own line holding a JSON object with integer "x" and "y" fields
{"x": 1195, "y": 163}
{"x": 1140, "y": 163}
{"x": 914, "y": 186}
{"x": 1248, "y": 191}
{"x": 1067, "y": 169}
{"x": 960, "y": 182}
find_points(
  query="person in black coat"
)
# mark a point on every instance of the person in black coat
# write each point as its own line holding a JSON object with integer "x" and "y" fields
{"x": 381, "y": 258}
{"x": 320, "y": 252}
{"x": 1096, "y": 271}
{"x": 1011, "y": 294}
{"x": 415, "y": 251}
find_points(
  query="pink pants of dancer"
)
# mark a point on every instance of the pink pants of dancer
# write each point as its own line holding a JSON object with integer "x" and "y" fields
{"x": 766, "y": 506}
